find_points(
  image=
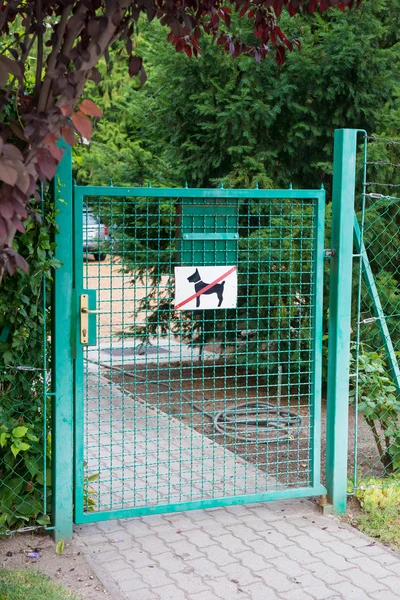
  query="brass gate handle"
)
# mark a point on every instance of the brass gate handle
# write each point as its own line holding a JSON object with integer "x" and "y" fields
{"x": 84, "y": 318}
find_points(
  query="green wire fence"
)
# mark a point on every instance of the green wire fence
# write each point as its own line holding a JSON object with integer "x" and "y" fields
{"x": 25, "y": 380}
{"x": 375, "y": 443}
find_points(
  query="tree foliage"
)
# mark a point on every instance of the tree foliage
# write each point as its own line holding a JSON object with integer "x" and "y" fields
{"x": 215, "y": 119}
{"x": 67, "y": 39}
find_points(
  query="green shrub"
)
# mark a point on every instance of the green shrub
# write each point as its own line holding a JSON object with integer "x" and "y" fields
{"x": 374, "y": 493}
{"x": 24, "y": 350}
{"x": 379, "y": 403}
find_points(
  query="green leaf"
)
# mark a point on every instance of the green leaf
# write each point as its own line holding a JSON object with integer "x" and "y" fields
{"x": 3, "y": 439}
{"x": 24, "y": 446}
{"x": 25, "y": 508}
{"x": 43, "y": 520}
{"x": 7, "y": 357}
{"x": 14, "y": 449}
{"x": 19, "y": 432}
{"x": 60, "y": 547}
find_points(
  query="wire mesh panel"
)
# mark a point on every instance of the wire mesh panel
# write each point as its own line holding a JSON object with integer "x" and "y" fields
{"x": 375, "y": 451}
{"x": 180, "y": 408}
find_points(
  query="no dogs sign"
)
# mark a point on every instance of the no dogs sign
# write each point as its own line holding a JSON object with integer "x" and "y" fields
{"x": 205, "y": 288}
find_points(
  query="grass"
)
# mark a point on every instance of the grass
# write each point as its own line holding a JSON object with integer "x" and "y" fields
{"x": 380, "y": 523}
{"x": 30, "y": 585}
{"x": 383, "y": 524}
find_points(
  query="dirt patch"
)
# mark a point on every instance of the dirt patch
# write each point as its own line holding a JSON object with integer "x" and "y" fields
{"x": 192, "y": 393}
{"x": 189, "y": 392}
{"x": 354, "y": 509}
{"x": 69, "y": 569}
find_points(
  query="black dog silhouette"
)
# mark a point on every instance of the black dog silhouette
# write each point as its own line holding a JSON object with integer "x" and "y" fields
{"x": 199, "y": 285}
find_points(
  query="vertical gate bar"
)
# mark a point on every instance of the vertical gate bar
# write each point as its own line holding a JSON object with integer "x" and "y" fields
{"x": 343, "y": 197}
{"x": 79, "y": 391}
{"x": 62, "y": 363}
{"x": 317, "y": 336}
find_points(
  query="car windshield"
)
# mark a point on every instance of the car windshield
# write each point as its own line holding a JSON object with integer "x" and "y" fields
{"x": 89, "y": 220}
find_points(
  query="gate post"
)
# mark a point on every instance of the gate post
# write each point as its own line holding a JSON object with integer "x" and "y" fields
{"x": 343, "y": 195}
{"x": 62, "y": 363}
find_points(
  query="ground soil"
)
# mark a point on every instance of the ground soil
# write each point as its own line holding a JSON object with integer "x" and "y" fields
{"x": 216, "y": 387}
{"x": 70, "y": 569}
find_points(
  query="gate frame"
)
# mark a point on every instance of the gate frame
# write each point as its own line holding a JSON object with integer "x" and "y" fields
{"x": 315, "y": 488}
{"x": 64, "y": 324}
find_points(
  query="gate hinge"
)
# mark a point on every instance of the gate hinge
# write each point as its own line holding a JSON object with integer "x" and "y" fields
{"x": 329, "y": 252}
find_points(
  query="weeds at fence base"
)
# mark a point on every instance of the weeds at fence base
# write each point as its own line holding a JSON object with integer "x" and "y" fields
{"x": 375, "y": 508}
{"x": 381, "y": 524}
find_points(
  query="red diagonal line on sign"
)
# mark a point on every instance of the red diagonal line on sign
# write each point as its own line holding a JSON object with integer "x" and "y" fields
{"x": 210, "y": 285}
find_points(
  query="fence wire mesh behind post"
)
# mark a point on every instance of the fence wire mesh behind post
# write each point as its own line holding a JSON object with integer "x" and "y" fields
{"x": 29, "y": 497}
{"x": 25, "y": 458}
{"x": 375, "y": 453}
{"x": 197, "y": 399}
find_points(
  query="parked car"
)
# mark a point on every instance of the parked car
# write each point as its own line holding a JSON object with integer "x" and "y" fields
{"x": 96, "y": 239}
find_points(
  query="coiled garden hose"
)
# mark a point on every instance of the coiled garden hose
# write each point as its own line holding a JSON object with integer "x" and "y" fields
{"x": 250, "y": 422}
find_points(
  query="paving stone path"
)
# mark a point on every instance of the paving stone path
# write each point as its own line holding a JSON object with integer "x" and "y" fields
{"x": 281, "y": 550}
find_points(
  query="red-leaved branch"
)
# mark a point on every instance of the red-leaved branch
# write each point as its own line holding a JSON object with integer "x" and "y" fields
{"x": 68, "y": 38}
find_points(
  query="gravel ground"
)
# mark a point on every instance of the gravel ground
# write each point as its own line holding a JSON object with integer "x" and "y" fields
{"x": 69, "y": 569}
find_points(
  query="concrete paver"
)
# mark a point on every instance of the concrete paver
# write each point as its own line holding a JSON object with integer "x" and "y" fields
{"x": 282, "y": 550}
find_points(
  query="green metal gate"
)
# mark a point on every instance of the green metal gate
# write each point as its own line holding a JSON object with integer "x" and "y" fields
{"x": 182, "y": 409}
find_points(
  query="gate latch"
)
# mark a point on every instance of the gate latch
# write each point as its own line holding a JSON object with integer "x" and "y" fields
{"x": 87, "y": 319}
{"x": 329, "y": 252}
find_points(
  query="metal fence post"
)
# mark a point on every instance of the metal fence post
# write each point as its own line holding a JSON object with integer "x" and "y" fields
{"x": 62, "y": 363}
{"x": 343, "y": 195}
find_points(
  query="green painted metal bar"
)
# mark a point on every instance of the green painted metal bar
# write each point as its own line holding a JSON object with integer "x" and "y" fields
{"x": 78, "y": 348}
{"x": 318, "y": 289}
{"x": 90, "y": 517}
{"x": 377, "y": 305}
{"x": 344, "y": 173}
{"x": 192, "y": 193}
{"x": 62, "y": 380}
{"x": 210, "y": 236}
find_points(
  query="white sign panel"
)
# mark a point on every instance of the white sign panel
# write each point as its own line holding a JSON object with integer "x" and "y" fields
{"x": 205, "y": 288}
